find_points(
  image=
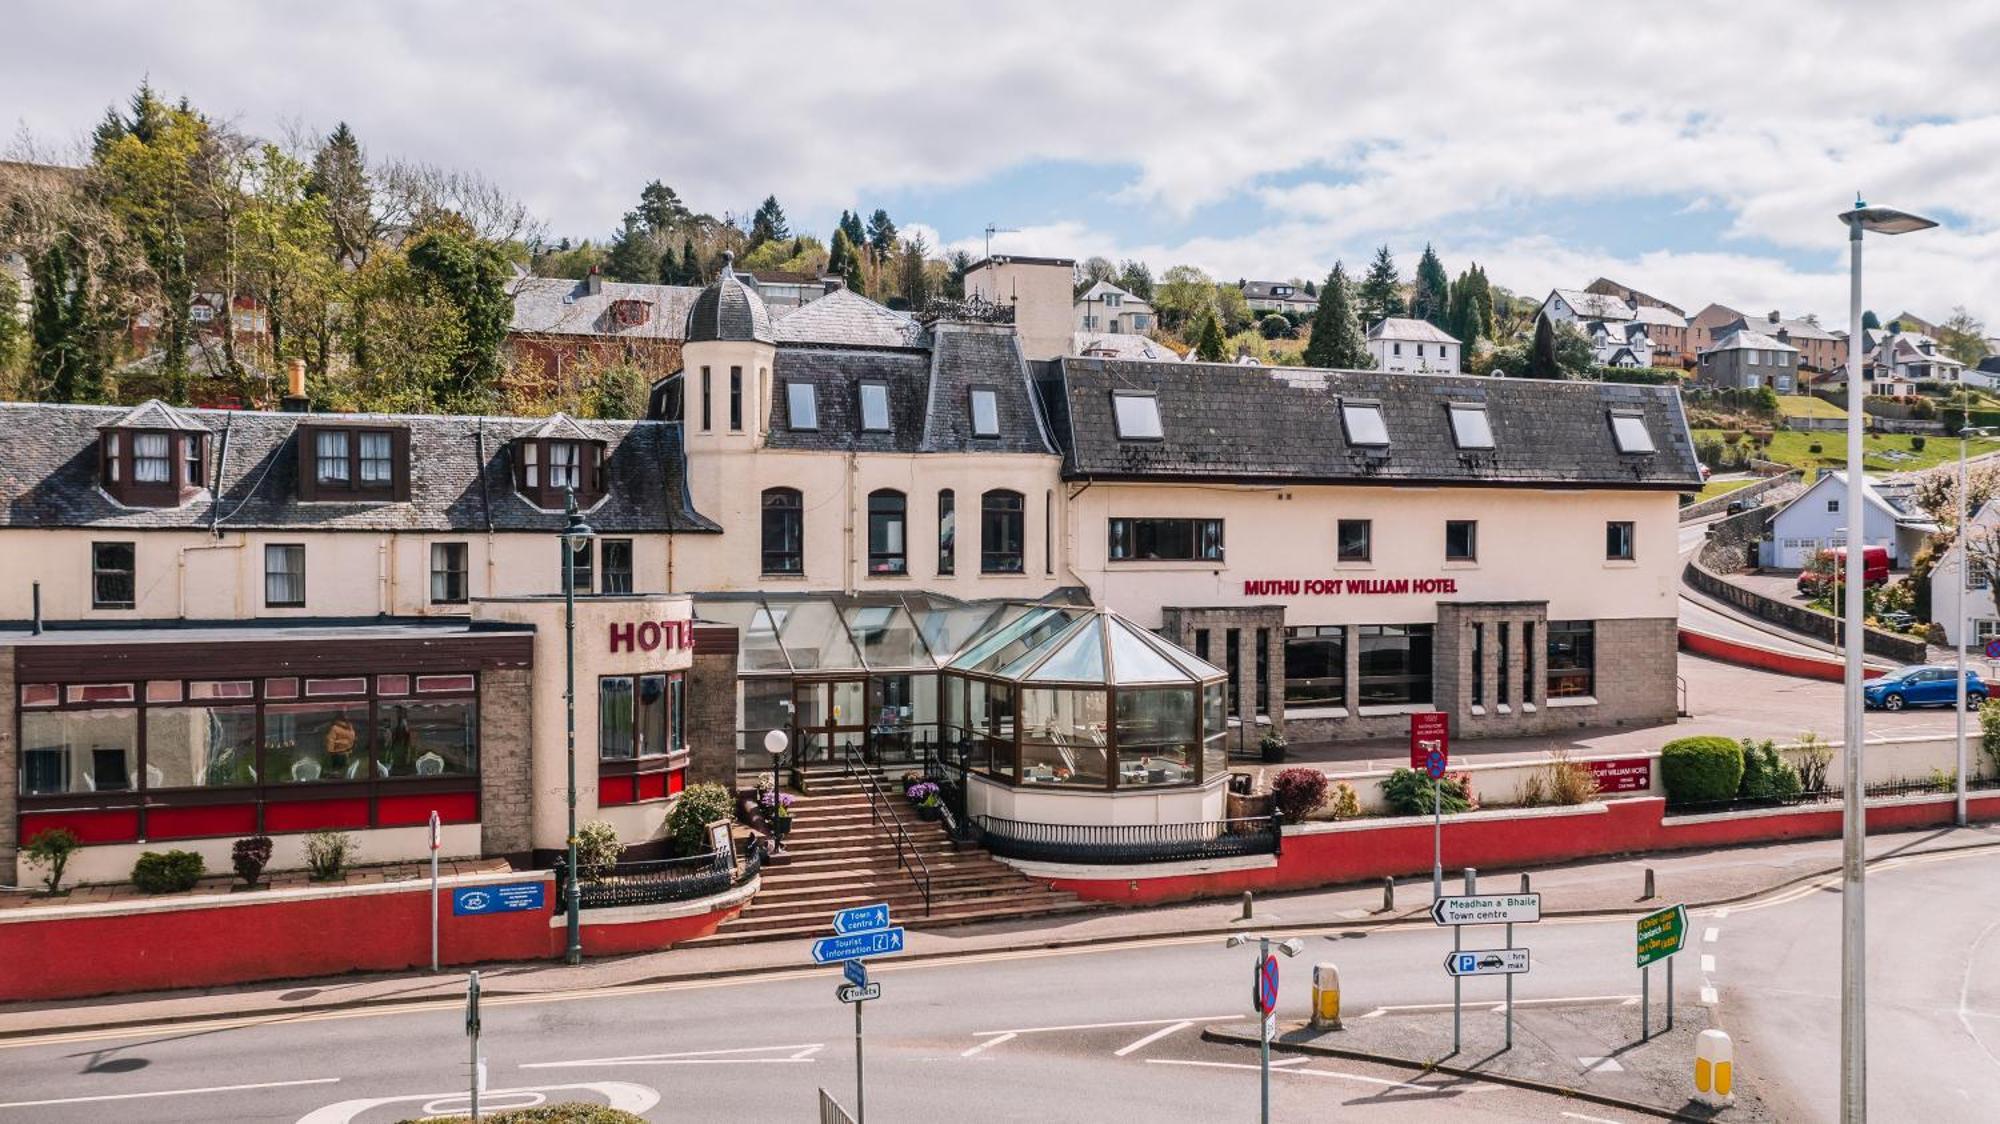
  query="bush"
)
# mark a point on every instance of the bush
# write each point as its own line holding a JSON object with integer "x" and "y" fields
{"x": 597, "y": 851}
{"x": 167, "y": 872}
{"x": 1411, "y": 792}
{"x": 328, "y": 854}
{"x": 1989, "y": 731}
{"x": 1346, "y": 803}
{"x": 1813, "y": 448}
{"x": 1701, "y": 769}
{"x": 1275, "y": 327}
{"x": 1570, "y": 782}
{"x": 1811, "y": 756}
{"x": 698, "y": 806}
{"x": 250, "y": 856}
{"x": 1766, "y": 776}
{"x": 52, "y": 848}
{"x": 572, "y": 1113}
{"x": 1917, "y": 444}
{"x": 1300, "y": 792}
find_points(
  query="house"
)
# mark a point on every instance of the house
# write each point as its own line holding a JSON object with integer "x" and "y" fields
{"x": 1980, "y": 611}
{"x": 1707, "y": 327}
{"x": 1666, "y": 323}
{"x": 1815, "y": 520}
{"x": 1279, "y": 296}
{"x": 1623, "y": 332}
{"x": 1619, "y": 343}
{"x": 1401, "y": 344}
{"x": 1820, "y": 352}
{"x": 1912, "y": 358}
{"x": 564, "y": 331}
{"x": 1123, "y": 345}
{"x": 1105, "y": 308}
{"x": 1746, "y": 360}
{"x": 1607, "y": 287}
{"x": 1986, "y": 375}
{"x": 1577, "y": 307}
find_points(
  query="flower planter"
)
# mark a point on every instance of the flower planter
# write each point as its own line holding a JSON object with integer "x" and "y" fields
{"x": 929, "y": 813}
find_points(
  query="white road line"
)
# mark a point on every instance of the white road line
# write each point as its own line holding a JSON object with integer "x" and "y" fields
{"x": 1707, "y": 964}
{"x": 1627, "y": 1000}
{"x": 1468, "y": 1087}
{"x": 1708, "y": 996}
{"x": 171, "y": 1093}
{"x": 1710, "y": 934}
{"x": 1152, "y": 1038}
{"x": 990, "y": 1042}
{"x": 1600, "y": 1065}
{"x": 1589, "y": 1119}
{"x": 798, "y": 1053}
{"x": 1114, "y": 1026}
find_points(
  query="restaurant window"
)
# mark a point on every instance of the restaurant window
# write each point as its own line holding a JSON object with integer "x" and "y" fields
{"x": 308, "y": 743}
{"x": 1572, "y": 658}
{"x": 201, "y": 746}
{"x": 1176, "y": 540}
{"x": 1461, "y": 540}
{"x": 1503, "y": 664}
{"x": 874, "y": 407}
{"x": 1157, "y": 737}
{"x": 428, "y": 738}
{"x": 985, "y": 413}
{"x": 615, "y": 563}
{"x": 1478, "y": 664}
{"x": 1316, "y": 665}
{"x": 637, "y": 716}
{"x": 579, "y": 572}
{"x": 113, "y": 583}
{"x": 1263, "y": 671}
{"x": 1001, "y": 531}
{"x": 448, "y": 573}
{"x": 284, "y": 576}
{"x": 947, "y": 563}
{"x": 1527, "y": 661}
{"x": 784, "y": 531}
{"x": 73, "y": 751}
{"x": 1395, "y": 664}
{"x": 735, "y": 399}
{"x": 1618, "y": 541}
{"x": 1353, "y": 542}
{"x": 1201, "y": 643}
{"x": 887, "y": 515}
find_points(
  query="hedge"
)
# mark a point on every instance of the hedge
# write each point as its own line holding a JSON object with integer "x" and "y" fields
{"x": 167, "y": 872}
{"x": 1701, "y": 769}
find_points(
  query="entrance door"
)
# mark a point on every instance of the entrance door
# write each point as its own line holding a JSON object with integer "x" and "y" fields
{"x": 832, "y": 716}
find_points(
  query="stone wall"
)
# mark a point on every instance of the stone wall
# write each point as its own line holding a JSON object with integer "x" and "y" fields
{"x": 711, "y": 707}
{"x": 1732, "y": 543}
{"x": 10, "y": 768}
{"x": 1798, "y": 618}
{"x": 1768, "y": 491}
{"x": 1635, "y": 677}
{"x": 505, "y": 791}
{"x": 1181, "y": 624}
{"x": 1516, "y": 709}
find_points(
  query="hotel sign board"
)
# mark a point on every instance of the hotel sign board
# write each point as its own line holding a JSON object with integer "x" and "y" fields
{"x": 648, "y": 636}
{"x": 1345, "y": 587}
{"x": 1627, "y": 774}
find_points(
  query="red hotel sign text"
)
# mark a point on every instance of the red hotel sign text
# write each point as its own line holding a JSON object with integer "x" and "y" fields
{"x": 647, "y": 636}
{"x": 1352, "y": 587}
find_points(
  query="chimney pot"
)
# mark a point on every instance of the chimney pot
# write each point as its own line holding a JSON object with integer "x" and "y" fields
{"x": 594, "y": 283}
{"x": 295, "y": 386}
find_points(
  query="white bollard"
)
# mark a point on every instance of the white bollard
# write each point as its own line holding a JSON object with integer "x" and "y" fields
{"x": 1326, "y": 997}
{"x": 1714, "y": 1069}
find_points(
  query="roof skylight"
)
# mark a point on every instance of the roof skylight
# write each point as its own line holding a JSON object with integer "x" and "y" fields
{"x": 985, "y": 413}
{"x": 1137, "y": 416}
{"x": 874, "y": 407}
{"x": 1364, "y": 424}
{"x": 1629, "y": 430}
{"x": 1470, "y": 428}
{"x": 803, "y": 403}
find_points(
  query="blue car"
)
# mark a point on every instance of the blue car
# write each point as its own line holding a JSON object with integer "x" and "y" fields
{"x": 1923, "y": 686}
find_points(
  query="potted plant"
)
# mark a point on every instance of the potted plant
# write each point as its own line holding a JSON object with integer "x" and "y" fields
{"x": 250, "y": 856}
{"x": 929, "y": 801}
{"x": 777, "y": 809}
{"x": 1273, "y": 745}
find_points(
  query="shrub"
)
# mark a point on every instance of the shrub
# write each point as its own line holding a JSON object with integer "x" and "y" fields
{"x": 1989, "y": 730}
{"x": 1811, "y": 755}
{"x": 1346, "y": 803}
{"x": 1701, "y": 769}
{"x": 250, "y": 856}
{"x": 167, "y": 872}
{"x": 1813, "y": 448}
{"x": 1917, "y": 444}
{"x": 1570, "y": 782}
{"x": 1300, "y": 792}
{"x": 328, "y": 854}
{"x": 567, "y": 1113}
{"x": 1944, "y": 780}
{"x": 1411, "y": 792}
{"x": 1275, "y": 327}
{"x": 597, "y": 851}
{"x": 52, "y": 848}
{"x": 1766, "y": 776}
{"x": 698, "y": 806}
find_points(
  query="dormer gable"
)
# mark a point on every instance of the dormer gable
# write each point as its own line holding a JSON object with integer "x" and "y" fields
{"x": 629, "y": 312}
{"x": 153, "y": 456}
{"x": 555, "y": 457}
{"x": 353, "y": 458}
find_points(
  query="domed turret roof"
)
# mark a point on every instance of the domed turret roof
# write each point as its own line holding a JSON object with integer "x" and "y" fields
{"x": 728, "y": 310}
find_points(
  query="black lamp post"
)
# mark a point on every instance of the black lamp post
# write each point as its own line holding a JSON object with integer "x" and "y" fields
{"x": 775, "y": 743}
{"x": 575, "y": 533}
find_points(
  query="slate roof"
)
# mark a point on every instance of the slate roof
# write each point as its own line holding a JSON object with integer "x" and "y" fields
{"x": 558, "y": 306}
{"x": 1123, "y": 345}
{"x": 728, "y": 309}
{"x": 1259, "y": 424}
{"x": 1410, "y": 331}
{"x": 48, "y": 475}
{"x": 1594, "y": 306}
{"x": 1653, "y": 314}
{"x": 847, "y": 319}
{"x": 969, "y": 356}
{"x": 837, "y": 377}
{"x": 1796, "y": 329}
{"x": 1742, "y": 339}
{"x": 1096, "y": 293}
{"x": 1265, "y": 291}
{"x": 154, "y": 414}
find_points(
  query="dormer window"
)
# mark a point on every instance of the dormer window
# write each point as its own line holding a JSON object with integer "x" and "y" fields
{"x": 153, "y": 456}
{"x": 353, "y": 463}
{"x": 630, "y": 313}
{"x": 556, "y": 457}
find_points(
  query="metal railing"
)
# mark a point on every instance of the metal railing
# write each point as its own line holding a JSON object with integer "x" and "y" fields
{"x": 949, "y": 776}
{"x": 1134, "y": 843}
{"x": 1941, "y": 785}
{"x": 880, "y": 809}
{"x": 665, "y": 880}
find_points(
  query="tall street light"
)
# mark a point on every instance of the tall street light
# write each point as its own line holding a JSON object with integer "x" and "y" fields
{"x": 1853, "y": 952}
{"x": 576, "y": 535}
{"x": 1959, "y": 630}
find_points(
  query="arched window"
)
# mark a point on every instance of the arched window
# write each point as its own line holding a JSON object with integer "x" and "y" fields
{"x": 784, "y": 531}
{"x": 886, "y": 518}
{"x": 1001, "y": 532}
{"x": 947, "y": 533}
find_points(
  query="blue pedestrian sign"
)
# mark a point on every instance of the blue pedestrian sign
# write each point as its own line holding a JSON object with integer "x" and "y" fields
{"x": 855, "y": 946}
{"x": 510, "y": 898}
{"x": 1434, "y": 763}
{"x": 856, "y": 973}
{"x": 861, "y": 919}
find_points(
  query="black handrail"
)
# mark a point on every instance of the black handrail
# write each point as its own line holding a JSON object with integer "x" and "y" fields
{"x": 1134, "y": 843}
{"x": 664, "y": 880}
{"x": 950, "y": 778}
{"x": 878, "y": 807}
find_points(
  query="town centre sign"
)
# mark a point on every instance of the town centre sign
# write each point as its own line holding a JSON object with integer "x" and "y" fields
{"x": 1351, "y": 587}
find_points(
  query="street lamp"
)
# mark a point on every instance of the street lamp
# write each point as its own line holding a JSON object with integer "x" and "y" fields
{"x": 1853, "y": 951}
{"x": 1291, "y": 947}
{"x": 576, "y": 535}
{"x": 1959, "y": 629}
{"x": 775, "y": 743}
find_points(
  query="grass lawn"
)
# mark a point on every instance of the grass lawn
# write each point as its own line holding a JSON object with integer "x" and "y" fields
{"x": 1806, "y": 406}
{"x": 1881, "y": 452}
{"x": 1716, "y": 488}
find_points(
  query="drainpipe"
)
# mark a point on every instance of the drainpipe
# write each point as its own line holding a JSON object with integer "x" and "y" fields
{"x": 847, "y": 578}
{"x": 38, "y": 609}
{"x": 382, "y": 577}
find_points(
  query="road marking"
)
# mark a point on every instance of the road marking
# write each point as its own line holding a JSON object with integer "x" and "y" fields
{"x": 990, "y": 1042}
{"x": 635, "y": 1099}
{"x": 1152, "y": 1038}
{"x": 1625, "y": 1000}
{"x": 171, "y": 1093}
{"x": 1447, "y": 1090}
{"x": 1111, "y": 1026}
{"x": 1708, "y": 996}
{"x": 1965, "y": 1011}
{"x": 798, "y": 1053}
{"x": 1589, "y": 1119}
{"x": 1707, "y": 964}
{"x": 1600, "y": 1065}
{"x": 1710, "y": 934}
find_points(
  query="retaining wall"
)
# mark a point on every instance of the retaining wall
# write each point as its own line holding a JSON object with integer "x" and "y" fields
{"x": 1797, "y": 618}
{"x": 1759, "y": 490}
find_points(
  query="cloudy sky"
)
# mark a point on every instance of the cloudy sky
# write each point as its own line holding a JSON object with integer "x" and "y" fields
{"x": 1698, "y": 151}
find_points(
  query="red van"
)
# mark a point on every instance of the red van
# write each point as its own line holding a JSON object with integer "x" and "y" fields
{"x": 1832, "y": 566}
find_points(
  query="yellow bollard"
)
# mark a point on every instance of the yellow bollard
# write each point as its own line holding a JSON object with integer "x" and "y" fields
{"x": 1714, "y": 1063}
{"x": 1326, "y": 997}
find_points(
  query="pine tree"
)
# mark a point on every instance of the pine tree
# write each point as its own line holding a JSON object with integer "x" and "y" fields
{"x": 670, "y": 267}
{"x": 1542, "y": 356}
{"x": 1459, "y": 320}
{"x": 1431, "y": 299}
{"x": 1210, "y": 347}
{"x": 844, "y": 259}
{"x": 1311, "y": 290}
{"x": 339, "y": 180}
{"x": 1482, "y": 302}
{"x": 769, "y": 223}
{"x": 1381, "y": 293}
{"x": 691, "y": 271}
{"x": 1871, "y": 322}
{"x": 1136, "y": 278}
{"x": 881, "y": 236}
{"x": 632, "y": 257}
{"x": 660, "y": 207}
{"x": 1337, "y": 340}
{"x": 850, "y": 221}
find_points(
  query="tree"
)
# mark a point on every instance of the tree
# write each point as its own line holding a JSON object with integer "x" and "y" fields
{"x": 881, "y": 236}
{"x": 958, "y": 265}
{"x": 1234, "y": 309}
{"x": 1183, "y": 294}
{"x": 1936, "y": 494}
{"x": 1093, "y": 270}
{"x": 340, "y": 181}
{"x": 1459, "y": 312}
{"x": 1311, "y": 291}
{"x": 633, "y": 255}
{"x": 471, "y": 274}
{"x": 1430, "y": 298}
{"x": 850, "y": 222}
{"x": 692, "y": 272}
{"x": 1337, "y": 340}
{"x": 845, "y": 258}
{"x": 1870, "y": 322}
{"x": 670, "y": 267}
{"x": 661, "y": 209}
{"x": 1209, "y": 346}
{"x": 1963, "y": 337}
{"x": 58, "y": 326}
{"x": 913, "y": 272}
{"x": 769, "y": 223}
{"x": 1542, "y": 356}
{"x": 1380, "y": 294}
{"x": 1135, "y": 278}
{"x": 13, "y": 337}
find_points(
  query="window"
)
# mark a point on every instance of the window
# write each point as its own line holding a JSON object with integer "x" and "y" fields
{"x": 1140, "y": 321}
{"x": 1461, "y": 540}
{"x": 985, "y": 413}
{"x": 1396, "y": 349}
{"x": 615, "y": 560}
{"x": 875, "y": 407}
{"x": 1137, "y": 416}
{"x": 112, "y": 577}
{"x": 377, "y": 462}
{"x": 1572, "y": 657}
{"x": 736, "y": 399}
{"x": 802, "y": 405}
{"x": 1178, "y": 540}
{"x": 79, "y": 751}
{"x": 784, "y": 531}
{"x": 1316, "y": 665}
{"x": 1833, "y": 507}
{"x": 432, "y": 738}
{"x": 1470, "y": 428}
{"x": 1113, "y": 300}
{"x": 581, "y": 579}
{"x": 1750, "y": 357}
{"x": 448, "y": 573}
{"x": 886, "y": 515}
{"x": 531, "y": 466}
{"x": 1478, "y": 663}
{"x": 637, "y": 716}
{"x": 565, "y": 466}
{"x": 191, "y": 452}
{"x": 284, "y": 576}
{"x": 1527, "y": 661}
{"x": 1353, "y": 540}
{"x": 707, "y": 388}
{"x": 1395, "y": 664}
{"x": 1263, "y": 671}
{"x": 1001, "y": 531}
{"x": 152, "y": 463}
{"x": 1364, "y": 424}
{"x": 1504, "y": 663}
{"x": 330, "y": 449}
{"x": 112, "y": 446}
{"x": 1629, "y": 430}
{"x": 1232, "y": 664}
{"x": 947, "y": 533}
{"x": 1618, "y": 541}
{"x": 1049, "y": 532}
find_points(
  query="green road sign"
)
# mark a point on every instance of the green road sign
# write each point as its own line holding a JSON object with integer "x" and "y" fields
{"x": 1662, "y": 934}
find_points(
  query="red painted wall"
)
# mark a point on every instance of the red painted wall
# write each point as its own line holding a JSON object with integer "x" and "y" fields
{"x": 1750, "y": 655}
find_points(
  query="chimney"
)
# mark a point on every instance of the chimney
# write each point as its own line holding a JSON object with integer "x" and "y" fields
{"x": 594, "y": 283}
{"x": 1772, "y": 317}
{"x": 295, "y": 387}
{"x": 833, "y": 284}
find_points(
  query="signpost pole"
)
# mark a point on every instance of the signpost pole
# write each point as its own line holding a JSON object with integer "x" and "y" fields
{"x": 1263, "y": 1034}
{"x": 860, "y": 1106}
{"x": 1645, "y": 1002}
{"x": 1457, "y": 986}
{"x": 1670, "y": 993}
{"x": 1510, "y": 990}
{"x": 472, "y": 1033}
{"x": 1437, "y": 841}
{"x": 434, "y": 891}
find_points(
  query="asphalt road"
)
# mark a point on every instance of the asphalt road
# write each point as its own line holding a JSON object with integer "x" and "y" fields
{"x": 1102, "y": 1034}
